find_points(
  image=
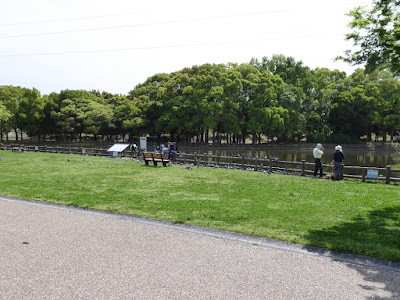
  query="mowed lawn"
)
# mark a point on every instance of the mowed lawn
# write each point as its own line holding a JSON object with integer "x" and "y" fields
{"x": 348, "y": 216}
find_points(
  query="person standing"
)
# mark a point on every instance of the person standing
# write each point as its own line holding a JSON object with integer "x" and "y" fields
{"x": 317, "y": 153}
{"x": 338, "y": 158}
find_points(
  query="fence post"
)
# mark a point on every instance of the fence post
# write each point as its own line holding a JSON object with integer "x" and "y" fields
{"x": 68, "y": 150}
{"x": 286, "y": 167}
{"x": 218, "y": 154}
{"x": 56, "y": 149}
{"x": 256, "y": 163}
{"x": 94, "y": 151}
{"x": 387, "y": 174}
{"x": 364, "y": 174}
{"x": 303, "y": 168}
{"x": 45, "y": 148}
{"x": 206, "y": 158}
{"x": 270, "y": 164}
{"x": 243, "y": 161}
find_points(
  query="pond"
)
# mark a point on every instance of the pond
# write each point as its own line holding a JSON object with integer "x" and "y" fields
{"x": 353, "y": 157}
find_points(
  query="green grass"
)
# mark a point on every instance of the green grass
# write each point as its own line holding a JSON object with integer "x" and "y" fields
{"x": 348, "y": 216}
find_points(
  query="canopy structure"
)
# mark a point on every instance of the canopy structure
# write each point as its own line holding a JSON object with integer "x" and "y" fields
{"x": 118, "y": 148}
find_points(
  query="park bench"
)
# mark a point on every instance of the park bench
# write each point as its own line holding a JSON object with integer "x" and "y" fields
{"x": 155, "y": 158}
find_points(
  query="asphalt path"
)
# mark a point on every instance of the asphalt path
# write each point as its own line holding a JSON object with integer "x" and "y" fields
{"x": 55, "y": 252}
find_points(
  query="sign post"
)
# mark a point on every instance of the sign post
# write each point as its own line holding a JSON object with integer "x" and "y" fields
{"x": 143, "y": 143}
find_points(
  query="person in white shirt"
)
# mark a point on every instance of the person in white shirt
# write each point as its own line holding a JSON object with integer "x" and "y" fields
{"x": 317, "y": 153}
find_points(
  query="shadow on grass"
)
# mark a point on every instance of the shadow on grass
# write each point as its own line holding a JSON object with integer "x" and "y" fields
{"x": 376, "y": 234}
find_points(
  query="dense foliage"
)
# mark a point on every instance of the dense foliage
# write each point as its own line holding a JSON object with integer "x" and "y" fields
{"x": 376, "y": 34}
{"x": 264, "y": 98}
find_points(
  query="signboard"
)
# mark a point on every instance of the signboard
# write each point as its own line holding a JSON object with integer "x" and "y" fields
{"x": 118, "y": 148}
{"x": 275, "y": 139}
{"x": 372, "y": 174}
{"x": 143, "y": 143}
{"x": 126, "y": 137}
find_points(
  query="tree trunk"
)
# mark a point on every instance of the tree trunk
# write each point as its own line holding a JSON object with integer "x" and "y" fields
{"x": 21, "y": 136}
{"x": 16, "y": 134}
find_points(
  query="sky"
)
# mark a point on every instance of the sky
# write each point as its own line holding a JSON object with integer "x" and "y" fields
{"x": 112, "y": 46}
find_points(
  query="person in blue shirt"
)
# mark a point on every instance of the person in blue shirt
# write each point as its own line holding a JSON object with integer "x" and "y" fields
{"x": 338, "y": 158}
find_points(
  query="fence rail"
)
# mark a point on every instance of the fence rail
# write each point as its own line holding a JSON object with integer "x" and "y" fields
{"x": 95, "y": 151}
{"x": 272, "y": 164}
{"x": 242, "y": 161}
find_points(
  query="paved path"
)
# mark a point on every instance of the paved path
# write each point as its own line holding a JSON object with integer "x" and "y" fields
{"x": 49, "y": 252}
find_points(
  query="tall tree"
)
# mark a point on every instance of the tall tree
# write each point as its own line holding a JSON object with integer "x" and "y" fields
{"x": 376, "y": 34}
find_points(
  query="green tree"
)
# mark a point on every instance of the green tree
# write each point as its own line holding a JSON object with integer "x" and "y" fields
{"x": 11, "y": 97}
{"x": 31, "y": 112}
{"x": 376, "y": 33}
{"x": 5, "y": 115}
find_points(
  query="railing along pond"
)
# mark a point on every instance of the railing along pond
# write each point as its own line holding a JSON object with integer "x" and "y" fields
{"x": 242, "y": 161}
{"x": 272, "y": 164}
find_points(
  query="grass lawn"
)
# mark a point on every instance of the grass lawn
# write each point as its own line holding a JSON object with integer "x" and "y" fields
{"x": 348, "y": 216}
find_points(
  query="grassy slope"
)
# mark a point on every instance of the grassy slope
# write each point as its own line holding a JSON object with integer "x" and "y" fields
{"x": 348, "y": 216}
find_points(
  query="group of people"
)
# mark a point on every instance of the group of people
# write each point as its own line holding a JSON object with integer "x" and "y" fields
{"x": 337, "y": 161}
{"x": 168, "y": 151}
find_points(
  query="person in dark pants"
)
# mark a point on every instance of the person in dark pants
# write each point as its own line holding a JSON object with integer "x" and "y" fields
{"x": 171, "y": 150}
{"x": 317, "y": 153}
{"x": 338, "y": 158}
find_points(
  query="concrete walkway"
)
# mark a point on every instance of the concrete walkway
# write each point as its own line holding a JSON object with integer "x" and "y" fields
{"x": 50, "y": 252}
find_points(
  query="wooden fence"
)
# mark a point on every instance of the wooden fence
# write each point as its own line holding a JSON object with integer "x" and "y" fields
{"x": 242, "y": 161}
{"x": 272, "y": 164}
{"x": 95, "y": 151}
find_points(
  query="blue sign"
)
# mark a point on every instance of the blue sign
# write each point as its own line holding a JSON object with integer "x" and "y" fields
{"x": 372, "y": 174}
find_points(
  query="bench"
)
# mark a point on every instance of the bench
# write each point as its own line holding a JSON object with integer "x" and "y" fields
{"x": 154, "y": 158}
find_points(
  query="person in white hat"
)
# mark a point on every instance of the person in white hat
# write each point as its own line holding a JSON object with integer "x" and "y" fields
{"x": 317, "y": 153}
{"x": 338, "y": 158}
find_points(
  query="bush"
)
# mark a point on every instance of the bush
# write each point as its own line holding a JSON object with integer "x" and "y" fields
{"x": 317, "y": 138}
{"x": 335, "y": 138}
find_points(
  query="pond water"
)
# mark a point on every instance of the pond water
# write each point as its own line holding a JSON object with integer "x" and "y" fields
{"x": 353, "y": 157}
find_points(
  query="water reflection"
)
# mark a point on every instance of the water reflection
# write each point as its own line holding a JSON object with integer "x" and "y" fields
{"x": 352, "y": 157}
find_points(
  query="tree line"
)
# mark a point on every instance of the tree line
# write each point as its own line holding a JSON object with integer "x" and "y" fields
{"x": 275, "y": 96}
